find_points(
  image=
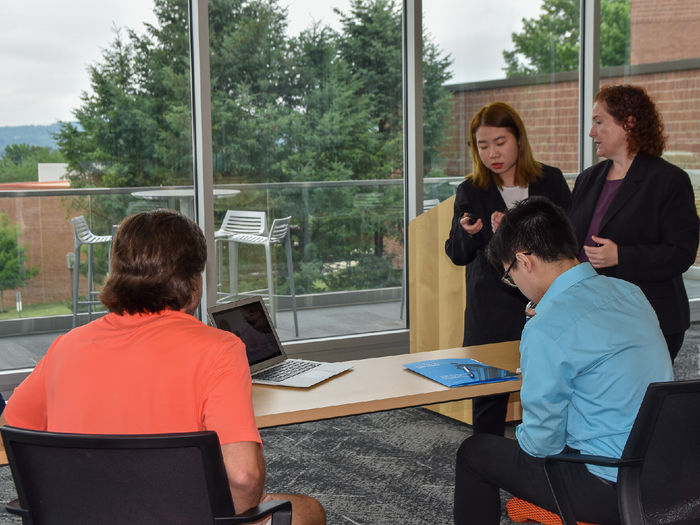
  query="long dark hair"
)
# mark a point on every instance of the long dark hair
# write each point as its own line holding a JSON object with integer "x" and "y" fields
{"x": 501, "y": 115}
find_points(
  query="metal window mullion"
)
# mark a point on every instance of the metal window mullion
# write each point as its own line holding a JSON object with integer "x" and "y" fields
{"x": 412, "y": 121}
{"x": 589, "y": 77}
{"x": 202, "y": 140}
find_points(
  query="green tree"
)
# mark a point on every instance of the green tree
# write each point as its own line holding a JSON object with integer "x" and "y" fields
{"x": 14, "y": 269}
{"x": 19, "y": 162}
{"x": 324, "y": 105}
{"x": 336, "y": 96}
{"x": 112, "y": 145}
{"x": 370, "y": 44}
{"x": 550, "y": 43}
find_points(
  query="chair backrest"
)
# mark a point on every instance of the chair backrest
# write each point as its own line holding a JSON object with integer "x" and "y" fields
{"x": 78, "y": 478}
{"x": 367, "y": 200}
{"x": 279, "y": 229}
{"x": 241, "y": 221}
{"x": 82, "y": 232}
{"x": 665, "y": 488}
{"x": 81, "y": 229}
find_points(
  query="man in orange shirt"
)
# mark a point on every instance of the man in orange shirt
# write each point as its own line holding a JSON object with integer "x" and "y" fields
{"x": 149, "y": 366}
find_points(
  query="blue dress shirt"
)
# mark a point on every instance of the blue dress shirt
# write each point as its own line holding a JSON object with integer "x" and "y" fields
{"x": 587, "y": 358}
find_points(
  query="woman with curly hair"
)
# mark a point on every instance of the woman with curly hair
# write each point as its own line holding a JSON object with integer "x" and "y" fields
{"x": 634, "y": 214}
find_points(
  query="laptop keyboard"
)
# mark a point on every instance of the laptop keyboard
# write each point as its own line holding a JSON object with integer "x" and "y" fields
{"x": 286, "y": 370}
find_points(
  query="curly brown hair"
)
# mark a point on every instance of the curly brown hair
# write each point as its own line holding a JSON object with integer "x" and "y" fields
{"x": 636, "y": 112}
{"x": 157, "y": 260}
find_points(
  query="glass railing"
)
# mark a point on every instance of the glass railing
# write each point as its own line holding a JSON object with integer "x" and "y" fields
{"x": 347, "y": 245}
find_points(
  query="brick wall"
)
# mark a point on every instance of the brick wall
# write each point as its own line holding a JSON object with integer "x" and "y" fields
{"x": 663, "y": 30}
{"x": 47, "y": 234}
{"x": 550, "y": 113}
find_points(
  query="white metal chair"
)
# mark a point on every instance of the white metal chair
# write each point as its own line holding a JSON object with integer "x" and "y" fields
{"x": 429, "y": 204}
{"x": 83, "y": 235}
{"x": 278, "y": 234}
{"x": 235, "y": 221}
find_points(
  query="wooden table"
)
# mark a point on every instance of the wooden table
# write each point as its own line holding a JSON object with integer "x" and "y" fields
{"x": 376, "y": 384}
{"x": 380, "y": 383}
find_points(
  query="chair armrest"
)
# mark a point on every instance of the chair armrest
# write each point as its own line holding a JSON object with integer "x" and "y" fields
{"x": 593, "y": 460}
{"x": 13, "y": 507}
{"x": 552, "y": 465}
{"x": 281, "y": 511}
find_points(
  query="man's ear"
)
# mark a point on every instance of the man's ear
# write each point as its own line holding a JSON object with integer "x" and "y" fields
{"x": 524, "y": 262}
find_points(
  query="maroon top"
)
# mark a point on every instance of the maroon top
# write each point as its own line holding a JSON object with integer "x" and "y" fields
{"x": 604, "y": 199}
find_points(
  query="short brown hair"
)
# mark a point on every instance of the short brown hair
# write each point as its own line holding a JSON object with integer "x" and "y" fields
{"x": 646, "y": 135}
{"x": 157, "y": 259}
{"x": 501, "y": 115}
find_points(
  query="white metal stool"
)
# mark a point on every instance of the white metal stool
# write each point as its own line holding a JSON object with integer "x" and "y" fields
{"x": 235, "y": 221}
{"x": 278, "y": 234}
{"x": 83, "y": 235}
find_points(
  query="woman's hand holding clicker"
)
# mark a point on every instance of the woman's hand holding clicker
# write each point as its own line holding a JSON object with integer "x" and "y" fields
{"x": 604, "y": 255}
{"x": 472, "y": 228}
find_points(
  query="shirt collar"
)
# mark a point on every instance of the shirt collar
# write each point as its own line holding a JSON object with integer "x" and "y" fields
{"x": 566, "y": 280}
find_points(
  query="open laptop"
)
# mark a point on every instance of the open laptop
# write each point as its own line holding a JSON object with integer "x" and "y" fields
{"x": 269, "y": 365}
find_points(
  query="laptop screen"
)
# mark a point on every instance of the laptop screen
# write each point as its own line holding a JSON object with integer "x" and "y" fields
{"x": 249, "y": 320}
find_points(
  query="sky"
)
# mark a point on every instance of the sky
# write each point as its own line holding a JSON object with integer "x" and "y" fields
{"x": 47, "y": 45}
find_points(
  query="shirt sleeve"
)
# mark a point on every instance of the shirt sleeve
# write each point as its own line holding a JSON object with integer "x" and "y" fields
{"x": 27, "y": 406}
{"x": 545, "y": 395}
{"x": 228, "y": 405}
{"x": 461, "y": 247}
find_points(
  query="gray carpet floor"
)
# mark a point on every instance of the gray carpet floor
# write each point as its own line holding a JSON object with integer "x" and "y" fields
{"x": 385, "y": 468}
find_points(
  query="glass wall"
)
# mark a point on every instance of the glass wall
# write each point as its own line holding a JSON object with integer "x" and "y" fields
{"x": 95, "y": 110}
{"x": 306, "y": 123}
{"x": 509, "y": 54}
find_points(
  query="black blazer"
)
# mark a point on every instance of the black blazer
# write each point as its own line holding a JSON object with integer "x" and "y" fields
{"x": 495, "y": 311}
{"x": 653, "y": 220}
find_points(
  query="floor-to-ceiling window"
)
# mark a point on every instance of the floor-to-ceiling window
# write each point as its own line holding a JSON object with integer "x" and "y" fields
{"x": 307, "y": 124}
{"x": 306, "y": 109}
{"x": 94, "y": 113}
{"x": 521, "y": 53}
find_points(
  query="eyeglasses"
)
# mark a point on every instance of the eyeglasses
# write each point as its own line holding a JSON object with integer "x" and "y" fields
{"x": 507, "y": 279}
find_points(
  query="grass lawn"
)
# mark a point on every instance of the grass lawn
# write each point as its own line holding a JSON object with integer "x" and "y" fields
{"x": 36, "y": 310}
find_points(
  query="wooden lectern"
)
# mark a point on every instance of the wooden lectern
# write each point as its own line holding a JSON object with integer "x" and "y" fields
{"x": 437, "y": 296}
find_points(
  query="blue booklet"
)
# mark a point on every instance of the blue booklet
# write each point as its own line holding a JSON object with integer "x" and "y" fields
{"x": 460, "y": 372}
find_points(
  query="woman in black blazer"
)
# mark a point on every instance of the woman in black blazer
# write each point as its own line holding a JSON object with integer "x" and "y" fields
{"x": 634, "y": 214}
{"x": 504, "y": 171}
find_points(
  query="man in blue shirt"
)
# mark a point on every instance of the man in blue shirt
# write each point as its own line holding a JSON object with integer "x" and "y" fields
{"x": 587, "y": 357}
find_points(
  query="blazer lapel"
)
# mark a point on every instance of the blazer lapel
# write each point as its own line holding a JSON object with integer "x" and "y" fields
{"x": 627, "y": 190}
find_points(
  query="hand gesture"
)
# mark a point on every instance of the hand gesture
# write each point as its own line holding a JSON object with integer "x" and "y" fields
{"x": 496, "y": 220}
{"x": 604, "y": 255}
{"x": 471, "y": 229}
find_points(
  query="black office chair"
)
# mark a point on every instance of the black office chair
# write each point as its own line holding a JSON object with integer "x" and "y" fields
{"x": 659, "y": 472}
{"x": 160, "y": 478}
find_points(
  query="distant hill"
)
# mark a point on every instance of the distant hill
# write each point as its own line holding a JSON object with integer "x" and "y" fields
{"x": 32, "y": 135}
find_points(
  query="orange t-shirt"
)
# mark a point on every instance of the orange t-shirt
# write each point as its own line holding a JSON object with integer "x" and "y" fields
{"x": 140, "y": 374}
